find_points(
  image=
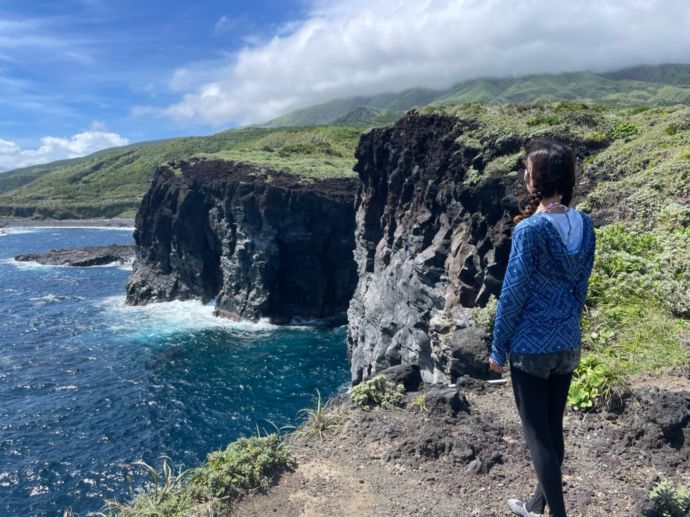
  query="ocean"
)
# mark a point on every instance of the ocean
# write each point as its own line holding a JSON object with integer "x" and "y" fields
{"x": 89, "y": 385}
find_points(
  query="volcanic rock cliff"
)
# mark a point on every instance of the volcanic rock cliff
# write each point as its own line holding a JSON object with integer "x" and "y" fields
{"x": 262, "y": 243}
{"x": 431, "y": 241}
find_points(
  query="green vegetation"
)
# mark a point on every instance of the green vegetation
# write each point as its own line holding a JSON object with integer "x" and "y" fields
{"x": 485, "y": 316}
{"x": 245, "y": 465}
{"x": 671, "y": 500}
{"x": 376, "y": 109}
{"x": 310, "y": 152}
{"x": 594, "y": 383}
{"x": 612, "y": 90}
{"x": 320, "y": 420}
{"x": 419, "y": 404}
{"x": 111, "y": 183}
{"x": 378, "y": 391}
{"x": 623, "y": 130}
{"x": 638, "y": 305}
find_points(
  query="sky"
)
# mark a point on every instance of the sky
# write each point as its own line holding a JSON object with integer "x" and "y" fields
{"x": 77, "y": 76}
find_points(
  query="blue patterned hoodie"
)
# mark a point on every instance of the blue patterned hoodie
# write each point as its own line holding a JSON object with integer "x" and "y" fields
{"x": 544, "y": 289}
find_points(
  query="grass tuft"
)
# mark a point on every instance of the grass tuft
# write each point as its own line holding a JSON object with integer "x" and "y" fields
{"x": 247, "y": 464}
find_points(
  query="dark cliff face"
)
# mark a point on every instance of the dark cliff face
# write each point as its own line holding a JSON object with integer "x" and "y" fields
{"x": 430, "y": 243}
{"x": 260, "y": 242}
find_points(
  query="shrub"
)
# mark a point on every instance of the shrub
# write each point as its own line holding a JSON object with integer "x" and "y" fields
{"x": 503, "y": 164}
{"x": 378, "y": 391}
{"x": 246, "y": 464}
{"x": 623, "y": 130}
{"x": 670, "y": 500}
{"x": 485, "y": 316}
{"x": 650, "y": 267}
{"x": 671, "y": 129}
{"x": 594, "y": 384}
{"x": 419, "y": 403}
{"x": 595, "y": 138}
{"x": 165, "y": 496}
{"x": 543, "y": 120}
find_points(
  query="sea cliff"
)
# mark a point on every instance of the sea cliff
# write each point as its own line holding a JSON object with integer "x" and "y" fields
{"x": 262, "y": 243}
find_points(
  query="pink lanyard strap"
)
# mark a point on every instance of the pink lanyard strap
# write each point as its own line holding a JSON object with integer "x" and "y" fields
{"x": 551, "y": 206}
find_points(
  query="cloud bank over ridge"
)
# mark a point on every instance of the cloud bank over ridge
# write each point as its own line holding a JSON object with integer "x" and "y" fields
{"x": 13, "y": 156}
{"x": 363, "y": 47}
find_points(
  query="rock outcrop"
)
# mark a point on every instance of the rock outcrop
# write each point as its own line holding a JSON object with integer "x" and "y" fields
{"x": 82, "y": 257}
{"x": 262, "y": 243}
{"x": 431, "y": 241}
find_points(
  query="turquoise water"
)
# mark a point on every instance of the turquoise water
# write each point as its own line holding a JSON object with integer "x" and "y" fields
{"x": 89, "y": 385}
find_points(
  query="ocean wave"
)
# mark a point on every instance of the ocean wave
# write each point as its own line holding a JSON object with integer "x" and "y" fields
{"x": 16, "y": 230}
{"x": 32, "y": 264}
{"x": 171, "y": 317}
{"x": 50, "y": 298}
{"x": 26, "y": 264}
{"x": 19, "y": 230}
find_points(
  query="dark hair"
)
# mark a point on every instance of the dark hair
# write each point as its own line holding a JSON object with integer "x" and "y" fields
{"x": 553, "y": 172}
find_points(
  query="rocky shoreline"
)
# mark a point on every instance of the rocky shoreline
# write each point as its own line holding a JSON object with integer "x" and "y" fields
{"x": 82, "y": 257}
{"x": 66, "y": 223}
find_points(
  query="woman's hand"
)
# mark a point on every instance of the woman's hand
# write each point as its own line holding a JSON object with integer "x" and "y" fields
{"x": 495, "y": 367}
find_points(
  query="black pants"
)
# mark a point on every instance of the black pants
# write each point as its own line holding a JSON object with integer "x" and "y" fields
{"x": 541, "y": 403}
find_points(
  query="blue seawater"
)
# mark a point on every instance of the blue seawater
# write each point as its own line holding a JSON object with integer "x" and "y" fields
{"x": 89, "y": 385}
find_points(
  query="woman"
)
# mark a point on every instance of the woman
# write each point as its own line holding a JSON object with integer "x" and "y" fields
{"x": 537, "y": 322}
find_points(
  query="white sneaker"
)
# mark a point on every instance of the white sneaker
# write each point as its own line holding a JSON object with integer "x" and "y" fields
{"x": 520, "y": 508}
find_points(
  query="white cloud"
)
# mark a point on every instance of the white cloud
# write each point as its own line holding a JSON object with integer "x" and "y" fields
{"x": 22, "y": 38}
{"x": 52, "y": 148}
{"x": 226, "y": 24}
{"x": 364, "y": 47}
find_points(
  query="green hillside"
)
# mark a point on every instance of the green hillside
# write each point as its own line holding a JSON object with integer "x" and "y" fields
{"x": 390, "y": 106}
{"x": 637, "y": 86}
{"x": 111, "y": 183}
{"x": 584, "y": 86}
{"x": 667, "y": 74}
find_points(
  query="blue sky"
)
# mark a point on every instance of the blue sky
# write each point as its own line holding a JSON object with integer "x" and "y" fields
{"x": 81, "y": 75}
{"x": 71, "y": 64}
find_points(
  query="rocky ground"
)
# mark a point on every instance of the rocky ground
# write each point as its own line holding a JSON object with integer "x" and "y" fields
{"x": 463, "y": 455}
{"x": 82, "y": 257}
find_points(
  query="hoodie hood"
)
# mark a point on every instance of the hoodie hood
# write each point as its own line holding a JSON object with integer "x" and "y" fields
{"x": 571, "y": 263}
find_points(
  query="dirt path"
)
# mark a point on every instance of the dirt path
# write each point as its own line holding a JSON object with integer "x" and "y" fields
{"x": 412, "y": 462}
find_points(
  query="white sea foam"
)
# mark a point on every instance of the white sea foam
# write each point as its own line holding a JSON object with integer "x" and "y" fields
{"x": 48, "y": 298}
{"x": 30, "y": 264}
{"x": 19, "y": 230}
{"x": 65, "y": 388}
{"x": 38, "y": 490}
{"x": 171, "y": 317}
{"x": 25, "y": 264}
{"x": 33, "y": 229}
{"x": 115, "y": 263}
